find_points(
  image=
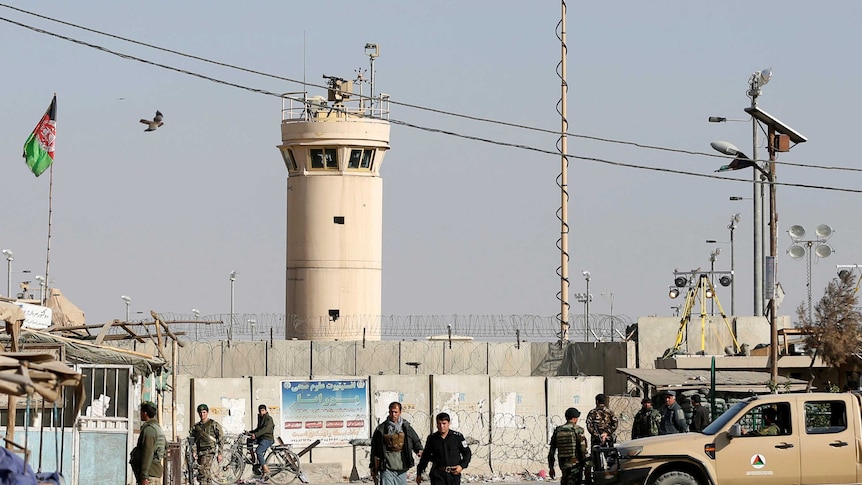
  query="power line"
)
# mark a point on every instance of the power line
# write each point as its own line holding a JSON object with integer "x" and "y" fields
{"x": 404, "y": 104}
{"x": 415, "y": 126}
{"x": 397, "y": 103}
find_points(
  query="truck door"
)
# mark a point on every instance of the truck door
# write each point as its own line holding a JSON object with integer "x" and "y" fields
{"x": 768, "y": 453}
{"x": 828, "y": 443}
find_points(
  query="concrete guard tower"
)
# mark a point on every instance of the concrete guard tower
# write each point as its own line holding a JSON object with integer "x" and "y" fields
{"x": 333, "y": 148}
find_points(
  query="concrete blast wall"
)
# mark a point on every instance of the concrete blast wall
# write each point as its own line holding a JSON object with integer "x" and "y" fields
{"x": 507, "y": 420}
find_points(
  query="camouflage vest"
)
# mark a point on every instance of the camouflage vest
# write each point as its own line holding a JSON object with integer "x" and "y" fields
{"x": 571, "y": 445}
{"x": 647, "y": 422}
{"x": 207, "y": 435}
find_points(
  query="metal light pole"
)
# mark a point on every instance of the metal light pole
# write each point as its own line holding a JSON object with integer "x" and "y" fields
{"x": 610, "y": 294}
{"x": 128, "y": 302}
{"x": 9, "y": 259}
{"x": 757, "y": 80}
{"x": 197, "y": 314}
{"x": 734, "y": 219}
{"x": 230, "y": 326}
{"x": 42, "y": 285}
{"x": 252, "y": 322}
{"x": 780, "y": 136}
{"x": 712, "y": 256}
{"x": 817, "y": 246}
{"x": 587, "y": 306}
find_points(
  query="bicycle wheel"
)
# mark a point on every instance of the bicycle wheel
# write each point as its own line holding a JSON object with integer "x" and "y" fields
{"x": 189, "y": 465}
{"x": 284, "y": 467}
{"x": 229, "y": 470}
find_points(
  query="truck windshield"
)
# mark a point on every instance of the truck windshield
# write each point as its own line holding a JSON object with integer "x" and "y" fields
{"x": 721, "y": 421}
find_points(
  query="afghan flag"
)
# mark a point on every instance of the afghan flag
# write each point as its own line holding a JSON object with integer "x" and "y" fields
{"x": 39, "y": 148}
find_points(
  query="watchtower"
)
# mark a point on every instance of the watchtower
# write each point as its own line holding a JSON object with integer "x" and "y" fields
{"x": 333, "y": 149}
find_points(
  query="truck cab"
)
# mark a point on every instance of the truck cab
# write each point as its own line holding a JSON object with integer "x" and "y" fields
{"x": 814, "y": 438}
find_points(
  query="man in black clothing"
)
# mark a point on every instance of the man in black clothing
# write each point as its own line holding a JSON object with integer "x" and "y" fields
{"x": 448, "y": 453}
{"x": 699, "y": 415}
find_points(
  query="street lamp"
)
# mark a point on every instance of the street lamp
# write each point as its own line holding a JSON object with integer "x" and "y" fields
{"x": 610, "y": 295}
{"x": 585, "y": 298}
{"x": 128, "y": 301}
{"x": 252, "y": 322}
{"x": 757, "y": 80}
{"x": 779, "y": 138}
{"x": 9, "y": 259}
{"x": 42, "y": 286}
{"x": 796, "y": 251}
{"x": 712, "y": 257}
{"x": 230, "y": 326}
{"x": 734, "y": 220}
{"x": 196, "y": 313}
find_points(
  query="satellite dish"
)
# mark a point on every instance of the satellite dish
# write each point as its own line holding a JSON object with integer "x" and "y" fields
{"x": 796, "y": 252}
{"x": 823, "y": 250}
{"x": 796, "y": 232}
{"x": 823, "y": 231}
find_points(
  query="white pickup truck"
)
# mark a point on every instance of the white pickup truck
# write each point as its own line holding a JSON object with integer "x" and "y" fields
{"x": 816, "y": 439}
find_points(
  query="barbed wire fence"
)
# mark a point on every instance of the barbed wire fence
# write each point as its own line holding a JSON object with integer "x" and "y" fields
{"x": 502, "y": 443}
{"x": 271, "y": 326}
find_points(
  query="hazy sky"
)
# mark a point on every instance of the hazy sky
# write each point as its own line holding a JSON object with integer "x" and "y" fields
{"x": 469, "y": 226}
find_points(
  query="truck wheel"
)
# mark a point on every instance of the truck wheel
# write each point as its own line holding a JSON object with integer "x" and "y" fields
{"x": 676, "y": 478}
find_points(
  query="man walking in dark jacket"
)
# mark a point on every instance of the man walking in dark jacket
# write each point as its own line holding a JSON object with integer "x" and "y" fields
{"x": 448, "y": 453}
{"x": 392, "y": 446}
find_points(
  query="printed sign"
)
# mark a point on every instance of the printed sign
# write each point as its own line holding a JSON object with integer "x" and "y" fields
{"x": 332, "y": 411}
{"x": 35, "y": 316}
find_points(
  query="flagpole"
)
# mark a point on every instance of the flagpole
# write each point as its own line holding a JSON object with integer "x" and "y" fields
{"x": 38, "y": 147}
{"x": 47, "y": 291}
{"x": 44, "y": 294}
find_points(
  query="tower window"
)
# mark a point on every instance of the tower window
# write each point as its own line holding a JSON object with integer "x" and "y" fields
{"x": 367, "y": 157}
{"x": 289, "y": 159}
{"x": 360, "y": 159}
{"x": 324, "y": 159}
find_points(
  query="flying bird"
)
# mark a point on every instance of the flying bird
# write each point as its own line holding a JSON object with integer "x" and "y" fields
{"x": 155, "y": 123}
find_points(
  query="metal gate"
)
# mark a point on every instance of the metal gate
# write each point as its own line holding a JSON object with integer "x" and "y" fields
{"x": 104, "y": 436}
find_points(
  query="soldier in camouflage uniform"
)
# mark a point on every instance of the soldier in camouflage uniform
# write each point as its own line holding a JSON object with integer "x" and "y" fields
{"x": 208, "y": 437}
{"x": 646, "y": 421}
{"x": 602, "y": 423}
{"x": 570, "y": 445}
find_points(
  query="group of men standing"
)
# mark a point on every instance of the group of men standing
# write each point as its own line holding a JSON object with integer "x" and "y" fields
{"x": 651, "y": 422}
{"x": 394, "y": 442}
{"x": 569, "y": 445}
{"x": 206, "y": 438}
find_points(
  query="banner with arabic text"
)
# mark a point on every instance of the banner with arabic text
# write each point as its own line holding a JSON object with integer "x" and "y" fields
{"x": 333, "y": 411}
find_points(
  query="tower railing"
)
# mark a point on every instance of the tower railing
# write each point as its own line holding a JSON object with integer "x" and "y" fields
{"x": 299, "y": 107}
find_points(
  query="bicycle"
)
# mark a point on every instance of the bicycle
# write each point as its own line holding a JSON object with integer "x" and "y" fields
{"x": 283, "y": 463}
{"x": 191, "y": 468}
